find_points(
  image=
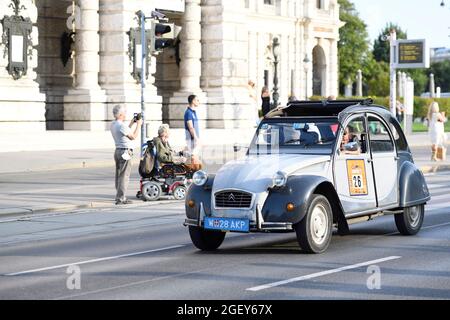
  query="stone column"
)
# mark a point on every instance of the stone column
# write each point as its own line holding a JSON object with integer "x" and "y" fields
{"x": 84, "y": 105}
{"x": 359, "y": 79}
{"x": 252, "y": 56}
{"x": 334, "y": 68}
{"x": 190, "y": 67}
{"x": 225, "y": 64}
{"x": 432, "y": 86}
{"x": 21, "y": 102}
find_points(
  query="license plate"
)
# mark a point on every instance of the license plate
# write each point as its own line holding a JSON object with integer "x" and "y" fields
{"x": 227, "y": 224}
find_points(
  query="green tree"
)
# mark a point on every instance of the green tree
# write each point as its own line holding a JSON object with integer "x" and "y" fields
{"x": 441, "y": 71}
{"x": 420, "y": 77}
{"x": 381, "y": 48}
{"x": 376, "y": 78}
{"x": 353, "y": 44}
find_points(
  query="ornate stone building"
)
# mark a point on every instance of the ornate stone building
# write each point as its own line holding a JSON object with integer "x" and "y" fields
{"x": 79, "y": 63}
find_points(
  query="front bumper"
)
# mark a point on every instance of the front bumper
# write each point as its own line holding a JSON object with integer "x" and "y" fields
{"x": 255, "y": 226}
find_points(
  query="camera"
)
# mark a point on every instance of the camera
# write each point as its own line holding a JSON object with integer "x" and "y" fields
{"x": 137, "y": 117}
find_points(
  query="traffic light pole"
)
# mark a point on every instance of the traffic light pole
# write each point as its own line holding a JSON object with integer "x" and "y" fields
{"x": 143, "y": 75}
{"x": 393, "y": 72}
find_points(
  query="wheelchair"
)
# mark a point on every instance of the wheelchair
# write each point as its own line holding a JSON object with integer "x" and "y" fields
{"x": 168, "y": 179}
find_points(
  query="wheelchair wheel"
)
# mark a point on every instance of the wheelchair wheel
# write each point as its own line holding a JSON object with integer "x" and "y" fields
{"x": 179, "y": 193}
{"x": 151, "y": 191}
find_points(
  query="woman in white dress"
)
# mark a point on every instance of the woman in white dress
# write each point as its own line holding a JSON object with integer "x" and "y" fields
{"x": 436, "y": 129}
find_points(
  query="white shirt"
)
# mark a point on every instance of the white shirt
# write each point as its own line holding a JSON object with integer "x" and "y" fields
{"x": 120, "y": 131}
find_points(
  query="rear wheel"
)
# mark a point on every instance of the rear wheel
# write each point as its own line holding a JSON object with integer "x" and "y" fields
{"x": 206, "y": 240}
{"x": 315, "y": 230}
{"x": 410, "y": 221}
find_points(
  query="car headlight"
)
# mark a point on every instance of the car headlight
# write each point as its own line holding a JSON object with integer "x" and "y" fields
{"x": 279, "y": 179}
{"x": 199, "y": 178}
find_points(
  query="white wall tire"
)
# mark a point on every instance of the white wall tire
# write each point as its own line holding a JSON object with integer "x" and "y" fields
{"x": 315, "y": 230}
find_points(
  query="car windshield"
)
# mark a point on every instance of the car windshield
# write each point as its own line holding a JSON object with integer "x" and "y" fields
{"x": 306, "y": 136}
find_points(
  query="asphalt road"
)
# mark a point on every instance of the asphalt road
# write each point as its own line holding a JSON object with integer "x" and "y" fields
{"x": 138, "y": 252}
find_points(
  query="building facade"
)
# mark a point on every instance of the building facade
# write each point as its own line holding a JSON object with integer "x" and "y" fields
{"x": 79, "y": 61}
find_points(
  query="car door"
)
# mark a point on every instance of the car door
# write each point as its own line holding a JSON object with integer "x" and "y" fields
{"x": 353, "y": 171}
{"x": 384, "y": 157}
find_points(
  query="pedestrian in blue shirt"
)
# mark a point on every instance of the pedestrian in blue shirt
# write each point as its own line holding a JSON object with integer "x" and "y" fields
{"x": 191, "y": 123}
{"x": 192, "y": 133}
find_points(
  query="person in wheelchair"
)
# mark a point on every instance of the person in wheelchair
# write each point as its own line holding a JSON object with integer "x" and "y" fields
{"x": 165, "y": 153}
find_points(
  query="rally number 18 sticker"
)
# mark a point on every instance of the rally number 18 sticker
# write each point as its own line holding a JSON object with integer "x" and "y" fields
{"x": 357, "y": 181}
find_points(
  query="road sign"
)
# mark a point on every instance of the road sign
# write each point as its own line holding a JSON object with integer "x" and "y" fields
{"x": 412, "y": 54}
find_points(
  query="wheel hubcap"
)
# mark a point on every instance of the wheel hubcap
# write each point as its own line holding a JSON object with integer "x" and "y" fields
{"x": 319, "y": 224}
{"x": 180, "y": 193}
{"x": 414, "y": 216}
{"x": 153, "y": 191}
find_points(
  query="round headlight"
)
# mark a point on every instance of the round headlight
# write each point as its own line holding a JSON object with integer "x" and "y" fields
{"x": 279, "y": 179}
{"x": 199, "y": 178}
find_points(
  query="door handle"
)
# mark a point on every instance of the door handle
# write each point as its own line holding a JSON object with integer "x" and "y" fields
{"x": 369, "y": 160}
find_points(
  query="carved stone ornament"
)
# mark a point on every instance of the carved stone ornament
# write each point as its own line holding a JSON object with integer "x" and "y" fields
{"x": 17, "y": 41}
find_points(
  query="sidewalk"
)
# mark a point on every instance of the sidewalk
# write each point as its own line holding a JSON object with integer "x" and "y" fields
{"x": 62, "y": 180}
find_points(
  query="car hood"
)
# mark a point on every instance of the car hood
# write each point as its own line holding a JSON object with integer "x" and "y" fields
{"x": 254, "y": 173}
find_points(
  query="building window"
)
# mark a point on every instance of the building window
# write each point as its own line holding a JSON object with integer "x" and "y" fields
{"x": 269, "y": 2}
{"x": 319, "y": 4}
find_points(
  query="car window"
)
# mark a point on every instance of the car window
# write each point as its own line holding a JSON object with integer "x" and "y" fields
{"x": 353, "y": 140}
{"x": 296, "y": 136}
{"x": 380, "y": 140}
{"x": 399, "y": 137}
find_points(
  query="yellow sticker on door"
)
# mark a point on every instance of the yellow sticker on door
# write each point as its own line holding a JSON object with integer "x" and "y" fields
{"x": 357, "y": 181}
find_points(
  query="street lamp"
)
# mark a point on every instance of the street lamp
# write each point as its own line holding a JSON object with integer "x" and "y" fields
{"x": 276, "y": 54}
{"x": 306, "y": 62}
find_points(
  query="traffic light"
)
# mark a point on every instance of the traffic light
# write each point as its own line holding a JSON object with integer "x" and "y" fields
{"x": 163, "y": 35}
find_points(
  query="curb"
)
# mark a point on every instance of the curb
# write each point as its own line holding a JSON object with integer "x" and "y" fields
{"x": 24, "y": 213}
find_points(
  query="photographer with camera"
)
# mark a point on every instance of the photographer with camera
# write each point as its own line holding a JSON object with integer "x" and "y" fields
{"x": 123, "y": 136}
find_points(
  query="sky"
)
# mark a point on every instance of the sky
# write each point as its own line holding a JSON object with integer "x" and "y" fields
{"x": 421, "y": 19}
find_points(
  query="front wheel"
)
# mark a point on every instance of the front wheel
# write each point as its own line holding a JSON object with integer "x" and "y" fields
{"x": 179, "y": 193}
{"x": 206, "y": 240}
{"x": 410, "y": 221}
{"x": 315, "y": 230}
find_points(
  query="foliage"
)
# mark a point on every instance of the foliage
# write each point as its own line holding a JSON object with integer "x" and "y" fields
{"x": 381, "y": 48}
{"x": 353, "y": 44}
{"x": 441, "y": 71}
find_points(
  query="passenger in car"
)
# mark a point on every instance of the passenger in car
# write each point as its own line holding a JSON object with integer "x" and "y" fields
{"x": 350, "y": 143}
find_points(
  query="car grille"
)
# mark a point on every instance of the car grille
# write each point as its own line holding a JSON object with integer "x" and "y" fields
{"x": 233, "y": 199}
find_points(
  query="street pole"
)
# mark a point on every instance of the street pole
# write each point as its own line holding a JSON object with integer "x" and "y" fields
{"x": 306, "y": 61}
{"x": 276, "y": 96}
{"x": 143, "y": 75}
{"x": 393, "y": 74}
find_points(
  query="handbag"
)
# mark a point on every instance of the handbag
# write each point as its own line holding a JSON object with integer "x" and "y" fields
{"x": 441, "y": 153}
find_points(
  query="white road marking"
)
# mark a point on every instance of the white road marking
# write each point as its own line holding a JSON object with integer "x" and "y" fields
{"x": 321, "y": 274}
{"x": 93, "y": 261}
{"x": 436, "y": 226}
